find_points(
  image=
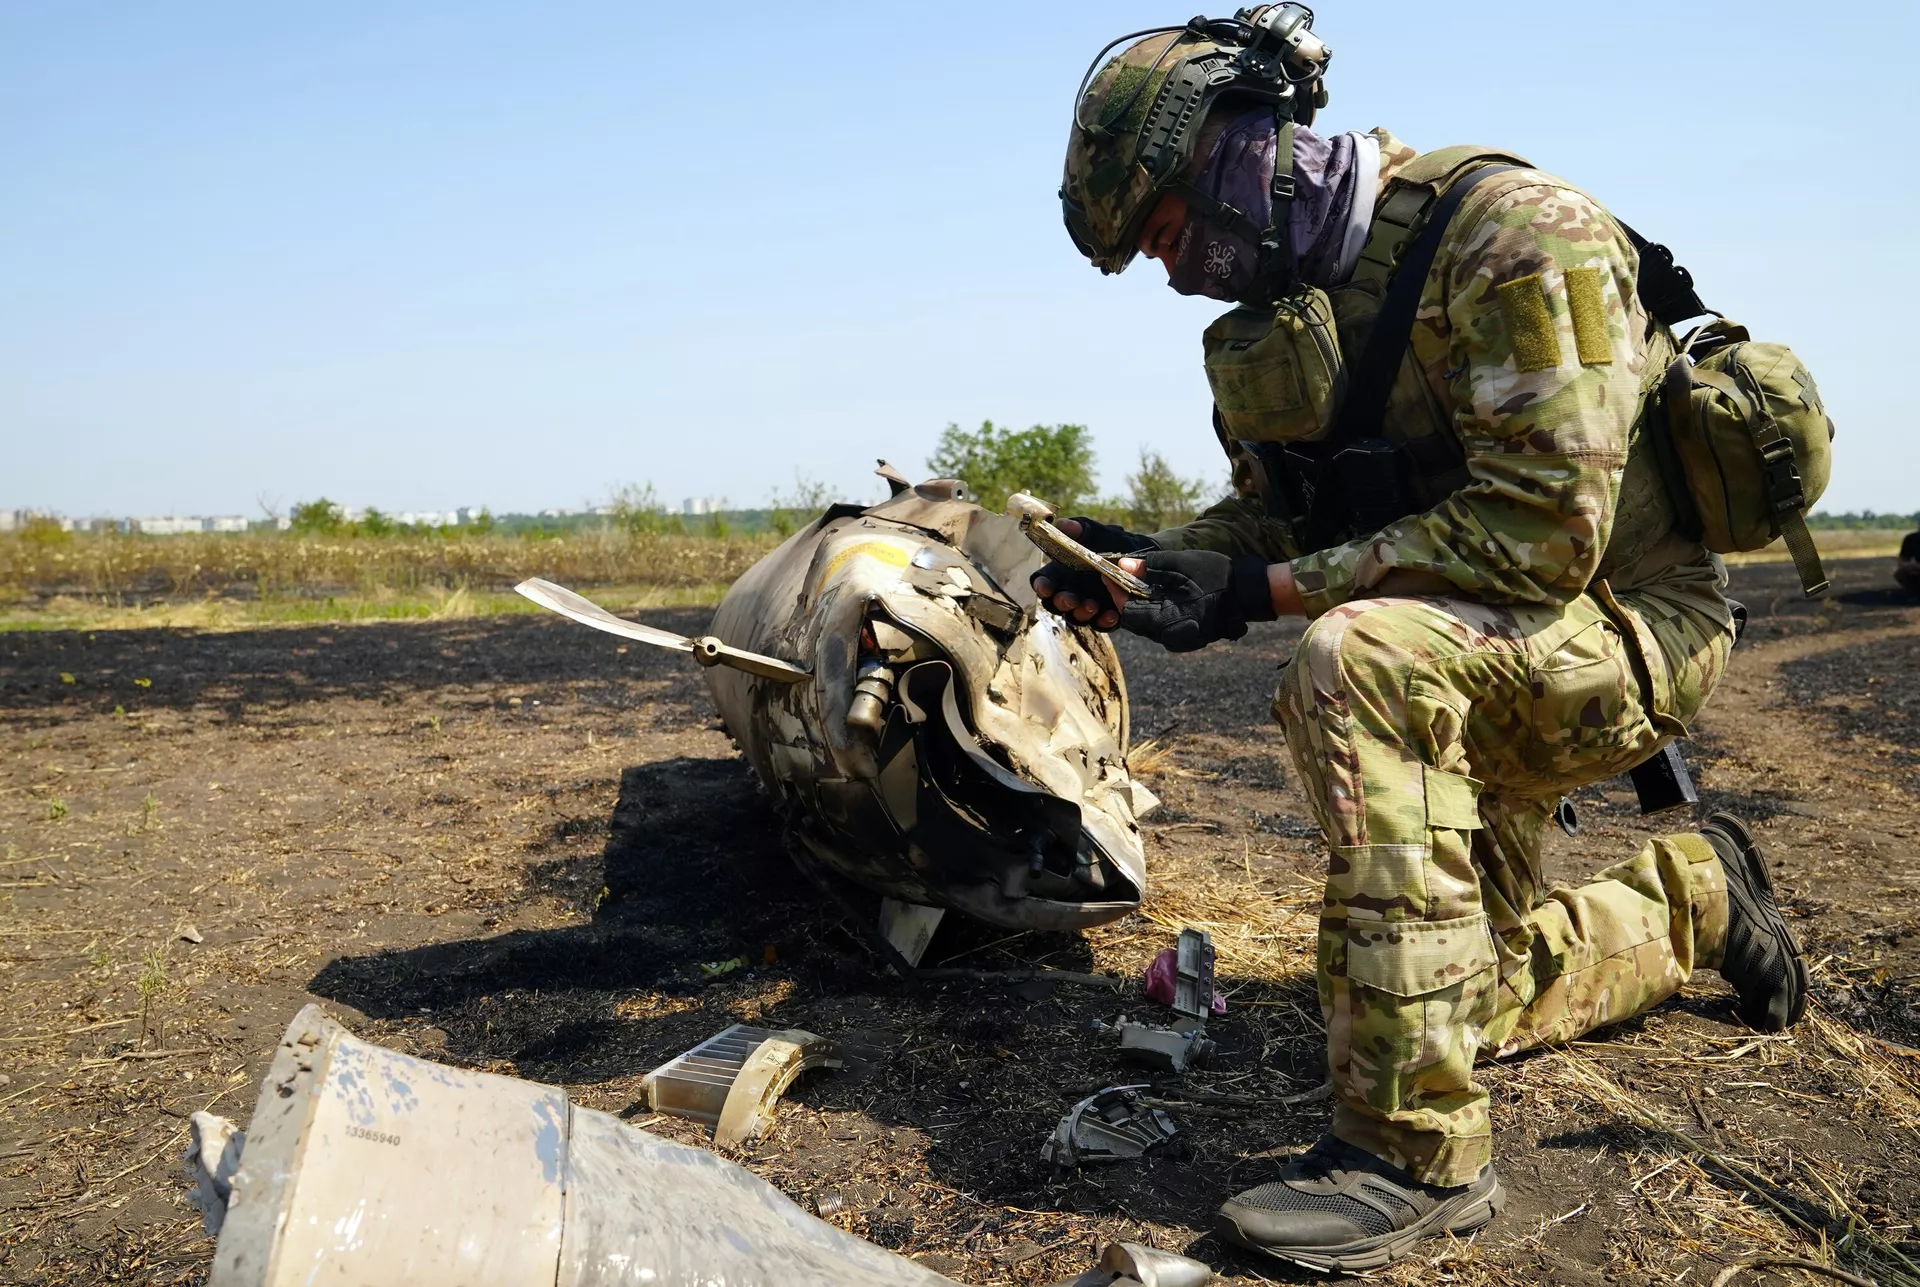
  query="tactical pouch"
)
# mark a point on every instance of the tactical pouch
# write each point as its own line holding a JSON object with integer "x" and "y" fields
{"x": 1276, "y": 371}
{"x": 1753, "y": 443}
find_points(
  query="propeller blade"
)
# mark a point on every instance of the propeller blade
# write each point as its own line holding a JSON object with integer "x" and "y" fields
{"x": 557, "y": 598}
{"x": 707, "y": 651}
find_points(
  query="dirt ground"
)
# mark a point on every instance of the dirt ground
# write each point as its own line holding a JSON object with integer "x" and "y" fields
{"x": 511, "y": 844}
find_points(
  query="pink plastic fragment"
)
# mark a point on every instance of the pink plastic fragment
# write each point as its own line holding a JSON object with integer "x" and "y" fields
{"x": 1159, "y": 978}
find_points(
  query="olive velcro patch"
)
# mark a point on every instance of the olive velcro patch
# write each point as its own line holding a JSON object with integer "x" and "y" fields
{"x": 1536, "y": 345}
{"x": 1587, "y": 297}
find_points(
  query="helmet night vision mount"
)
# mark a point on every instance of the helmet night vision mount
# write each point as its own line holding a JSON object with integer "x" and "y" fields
{"x": 1146, "y": 106}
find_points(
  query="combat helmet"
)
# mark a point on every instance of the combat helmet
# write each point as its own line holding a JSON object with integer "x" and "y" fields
{"x": 1135, "y": 119}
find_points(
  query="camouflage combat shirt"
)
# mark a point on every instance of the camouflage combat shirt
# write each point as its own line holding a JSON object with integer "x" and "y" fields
{"x": 1532, "y": 336}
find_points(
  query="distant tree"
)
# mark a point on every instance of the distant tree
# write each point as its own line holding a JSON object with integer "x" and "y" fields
{"x": 374, "y": 523}
{"x": 787, "y": 512}
{"x": 637, "y": 510}
{"x": 482, "y": 522}
{"x": 1864, "y": 520}
{"x": 1158, "y": 498}
{"x": 41, "y": 529}
{"x": 317, "y": 517}
{"x": 1054, "y": 462}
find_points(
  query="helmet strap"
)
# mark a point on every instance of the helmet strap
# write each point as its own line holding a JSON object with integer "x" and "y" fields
{"x": 1283, "y": 271}
{"x": 1199, "y": 203}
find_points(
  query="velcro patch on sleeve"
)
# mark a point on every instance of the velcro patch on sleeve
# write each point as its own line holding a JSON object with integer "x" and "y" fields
{"x": 1536, "y": 345}
{"x": 1587, "y": 297}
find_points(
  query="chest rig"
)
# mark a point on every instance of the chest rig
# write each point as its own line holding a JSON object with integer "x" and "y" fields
{"x": 1291, "y": 379}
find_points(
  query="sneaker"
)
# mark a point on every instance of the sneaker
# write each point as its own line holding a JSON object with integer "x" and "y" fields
{"x": 1762, "y": 960}
{"x": 1337, "y": 1208}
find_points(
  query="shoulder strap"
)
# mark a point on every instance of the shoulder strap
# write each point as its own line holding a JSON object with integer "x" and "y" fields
{"x": 1370, "y": 379}
{"x": 1410, "y": 194}
{"x": 1434, "y": 169}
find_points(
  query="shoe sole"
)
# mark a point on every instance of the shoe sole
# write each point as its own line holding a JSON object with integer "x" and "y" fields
{"x": 1475, "y": 1212}
{"x": 1761, "y": 879}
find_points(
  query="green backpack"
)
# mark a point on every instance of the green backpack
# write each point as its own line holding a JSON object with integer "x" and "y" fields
{"x": 1751, "y": 443}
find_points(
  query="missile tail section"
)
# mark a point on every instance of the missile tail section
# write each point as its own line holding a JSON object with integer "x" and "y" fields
{"x": 926, "y": 731}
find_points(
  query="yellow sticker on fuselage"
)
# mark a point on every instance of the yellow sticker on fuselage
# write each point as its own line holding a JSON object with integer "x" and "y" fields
{"x": 884, "y": 551}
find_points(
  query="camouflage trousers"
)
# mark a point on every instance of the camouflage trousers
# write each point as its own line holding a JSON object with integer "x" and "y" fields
{"x": 1434, "y": 737}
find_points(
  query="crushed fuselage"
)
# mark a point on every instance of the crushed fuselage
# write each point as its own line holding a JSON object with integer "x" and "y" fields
{"x": 954, "y": 746}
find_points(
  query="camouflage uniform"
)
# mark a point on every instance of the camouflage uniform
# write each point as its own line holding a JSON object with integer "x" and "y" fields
{"x": 1467, "y": 666}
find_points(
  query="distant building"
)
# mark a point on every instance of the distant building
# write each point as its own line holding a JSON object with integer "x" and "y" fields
{"x": 695, "y": 506}
{"x": 179, "y": 525}
{"x": 14, "y": 520}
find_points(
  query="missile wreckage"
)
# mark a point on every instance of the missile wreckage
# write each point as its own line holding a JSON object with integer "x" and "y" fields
{"x": 927, "y": 734}
{"x": 365, "y": 1167}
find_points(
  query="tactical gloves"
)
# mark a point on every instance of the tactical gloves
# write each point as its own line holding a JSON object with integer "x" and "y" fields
{"x": 1109, "y": 538}
{"x": 1199, "y": 596}
{"x": 1087, "y": 587}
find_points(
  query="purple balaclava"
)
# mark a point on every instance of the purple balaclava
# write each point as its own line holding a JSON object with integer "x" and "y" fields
{"x": 1221, "y": 262}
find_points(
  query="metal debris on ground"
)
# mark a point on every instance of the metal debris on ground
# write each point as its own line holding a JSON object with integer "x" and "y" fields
{"x": 213, "y": 1155}
{"x": 1166, "y": 1049}
{"x": 732, "y": 1080}
{"x": 1189, "y": 963}
{"x": 365, "y": 1165}
{"x": 1128, "y": 1264}
{"x": 1111, "y": 1126}
{"x": 1182, "y": 977}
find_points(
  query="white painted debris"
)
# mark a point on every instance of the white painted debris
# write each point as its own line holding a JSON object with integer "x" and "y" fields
{"x": 213, "y": 1155}
{"x": 368, "y": 1167}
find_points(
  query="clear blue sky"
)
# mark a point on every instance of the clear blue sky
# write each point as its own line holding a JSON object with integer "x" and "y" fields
{"x": 428, "y": 254}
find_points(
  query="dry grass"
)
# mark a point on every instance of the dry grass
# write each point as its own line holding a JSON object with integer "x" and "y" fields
{"x": 1748, "y": 1190}
{"x": 1834, "y": 543}
{"x": 126, "y": 570}
{"x": 72, "y": 612}
{"x": 1712, "y": 1197}
{"x": 1148, "y": 757}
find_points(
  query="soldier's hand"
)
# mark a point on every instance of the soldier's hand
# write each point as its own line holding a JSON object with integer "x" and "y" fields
{"x": 1105, "y": 538}
{"x": 1199, "y": 596}
{"x": 1078, "y": 595}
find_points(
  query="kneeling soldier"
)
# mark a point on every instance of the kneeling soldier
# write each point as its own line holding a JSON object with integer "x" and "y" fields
{"x": 1431, "y": 390}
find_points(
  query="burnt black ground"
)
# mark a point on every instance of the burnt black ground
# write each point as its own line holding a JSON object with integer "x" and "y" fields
{"x": 505, "y": 844}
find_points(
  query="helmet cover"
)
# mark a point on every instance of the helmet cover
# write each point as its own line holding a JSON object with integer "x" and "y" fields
{"x": 1137, "y": 118}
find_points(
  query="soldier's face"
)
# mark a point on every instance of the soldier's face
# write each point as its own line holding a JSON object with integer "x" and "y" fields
{"x": 1160, "y": 237}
